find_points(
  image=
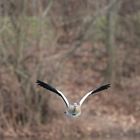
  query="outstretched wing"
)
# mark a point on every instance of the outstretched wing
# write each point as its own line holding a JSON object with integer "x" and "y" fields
{"x": 49, "y": 87}
{"x": 103, "y": 87}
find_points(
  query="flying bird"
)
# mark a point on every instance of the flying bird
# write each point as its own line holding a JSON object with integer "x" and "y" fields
{"x": 73, "y": 110}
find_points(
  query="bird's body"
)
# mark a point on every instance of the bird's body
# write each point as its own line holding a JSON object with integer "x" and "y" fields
{"x": 72, "y": 110}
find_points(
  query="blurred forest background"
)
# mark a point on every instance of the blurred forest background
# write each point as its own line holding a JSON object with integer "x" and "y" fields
{"x": 75, "y": 45}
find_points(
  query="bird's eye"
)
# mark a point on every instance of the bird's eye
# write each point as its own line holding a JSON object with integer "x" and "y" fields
{"x": 73, "y": 114}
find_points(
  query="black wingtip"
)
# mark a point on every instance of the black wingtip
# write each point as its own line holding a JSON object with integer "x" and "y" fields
{"x": 106, "y": 86}
{"x": 103, "y": 87}
{"x": 42, "y": 84}
{"x": 47, "y": 86}
{"x": 38, "y": 81}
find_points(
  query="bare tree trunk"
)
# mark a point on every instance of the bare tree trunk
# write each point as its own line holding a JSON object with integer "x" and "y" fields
{"x": 112, "y": 18}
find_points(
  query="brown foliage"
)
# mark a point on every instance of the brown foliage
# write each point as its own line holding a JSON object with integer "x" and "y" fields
{"x": 59, "y": 51}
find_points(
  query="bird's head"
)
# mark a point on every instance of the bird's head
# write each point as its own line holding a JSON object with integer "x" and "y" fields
{"x": 75, "y": 104}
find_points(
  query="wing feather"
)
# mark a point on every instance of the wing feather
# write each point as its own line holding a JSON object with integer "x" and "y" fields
{"x": 103, "y": 87}
{"x": 49, "y": 87}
